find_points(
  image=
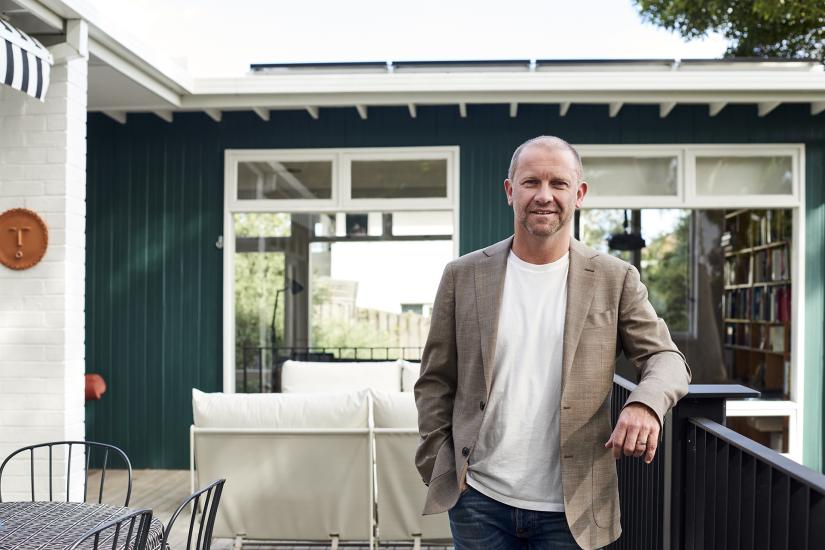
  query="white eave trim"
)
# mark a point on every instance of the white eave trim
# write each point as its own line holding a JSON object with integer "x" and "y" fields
{"x": 569, "y": 82}
{"x": 573, "y": 87}
{"x": 108, "y": 37}
{"x": 135, "y": 73}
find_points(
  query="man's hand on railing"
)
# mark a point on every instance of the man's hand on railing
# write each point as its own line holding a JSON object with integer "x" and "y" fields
{"x": 636, "y": 433}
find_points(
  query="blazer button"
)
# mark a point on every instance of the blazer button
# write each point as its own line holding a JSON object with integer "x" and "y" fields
{"x": 481, "y": 405}
{"x": 465, "y": 451}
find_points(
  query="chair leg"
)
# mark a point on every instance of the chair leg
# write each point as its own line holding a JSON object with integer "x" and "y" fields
{"x": 334, "y": 545}
{"x": 238, "y": 542}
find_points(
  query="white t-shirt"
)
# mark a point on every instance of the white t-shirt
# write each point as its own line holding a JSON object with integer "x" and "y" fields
{"x": 516, "y": 459}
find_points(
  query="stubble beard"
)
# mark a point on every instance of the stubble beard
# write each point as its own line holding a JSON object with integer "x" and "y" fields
{"x": 555, "y": 225}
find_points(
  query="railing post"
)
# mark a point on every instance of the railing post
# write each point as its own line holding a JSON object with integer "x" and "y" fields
{"x": 702, "y": 400}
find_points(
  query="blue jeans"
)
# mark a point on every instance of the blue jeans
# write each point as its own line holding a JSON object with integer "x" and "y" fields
{"x": 481, "y": 523}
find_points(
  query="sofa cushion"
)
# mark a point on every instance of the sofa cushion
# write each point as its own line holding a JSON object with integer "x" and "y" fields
{"x": 309, "y": 377}
{"x": 394, "y": 410}
{"x": 280, "y": 411}
{"x": 409, "y": 374}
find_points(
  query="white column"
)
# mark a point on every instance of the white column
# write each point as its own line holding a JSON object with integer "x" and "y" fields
{"x": 43, "y": 168}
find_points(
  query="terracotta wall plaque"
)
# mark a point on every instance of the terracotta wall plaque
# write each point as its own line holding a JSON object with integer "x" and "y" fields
{"x": 23, "y": 238}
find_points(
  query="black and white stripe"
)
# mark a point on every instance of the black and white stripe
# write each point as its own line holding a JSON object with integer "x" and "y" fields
{"x": 24, "y": 62}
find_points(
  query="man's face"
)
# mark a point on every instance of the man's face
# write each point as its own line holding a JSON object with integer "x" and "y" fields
{"x": 545, "y": 190}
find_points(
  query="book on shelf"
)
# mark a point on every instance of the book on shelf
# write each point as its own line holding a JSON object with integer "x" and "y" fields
{"x": 769, "y": 226}
{"x": 727, "y": 241}
{"x": 777, "y": 338}
{"x": 771, "y": 265}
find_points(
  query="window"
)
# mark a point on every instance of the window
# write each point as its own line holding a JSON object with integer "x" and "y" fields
{"x": 629, "y": 176}
{"x": 398, "y": 179}
{"x": 330, "y": 250}
{"x": 290, "y": 180}
{"x": 716, "y": 175}
{"x": 284, "y": 180}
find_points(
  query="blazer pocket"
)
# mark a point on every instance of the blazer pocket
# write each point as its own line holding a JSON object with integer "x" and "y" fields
{"x": 605, "y": 487}
{"x": 596, "y": 319}
{"x": 444, "y": 459}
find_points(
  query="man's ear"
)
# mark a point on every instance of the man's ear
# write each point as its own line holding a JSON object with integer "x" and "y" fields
{"x": 508, "y": 190}
{"x": 581, "y": 191}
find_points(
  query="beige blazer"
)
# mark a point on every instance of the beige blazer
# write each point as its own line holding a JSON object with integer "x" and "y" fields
{"x": 607, "y": 313}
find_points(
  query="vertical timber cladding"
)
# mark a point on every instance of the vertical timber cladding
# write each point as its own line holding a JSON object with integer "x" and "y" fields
{"x": 155, "y": 210}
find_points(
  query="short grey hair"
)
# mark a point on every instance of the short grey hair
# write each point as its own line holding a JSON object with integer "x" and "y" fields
{"x": 551, "y": 142}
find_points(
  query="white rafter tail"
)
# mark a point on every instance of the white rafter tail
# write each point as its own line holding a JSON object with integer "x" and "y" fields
{"x": 817, "y": 107}
{"x": 666, "y": 108}
{"x": 716, "y": 107}
{"x": 513, "y": 110}
{"x": 615, "y": 107}
{"x": 314, "y": 112}
{"x": 165, "y": 115}
{"x": 563, "y": 108}
{"x": 362, "y": 111}
{"x": 261, "y": 112}
{"x": 766, "y": 107}
{"x": 462, "y": 110}
{"x": 214, "y": 114}
{"x": 117, "y": 116}
{"x": 413, "y": 110}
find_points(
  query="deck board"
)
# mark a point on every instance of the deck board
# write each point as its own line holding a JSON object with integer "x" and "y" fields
{"x": 164, "y": 490}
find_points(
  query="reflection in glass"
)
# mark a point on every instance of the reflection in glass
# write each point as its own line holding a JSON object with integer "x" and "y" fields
{"x": 770, "y": 431}
{"x": 399, "y": 179}
{"x": 623, "y": 176}
{"x": 721, "y": 281}
{"x": 743, "y": 175}
{"x": 259, "y": 180}
{"x": 330, "y": 281}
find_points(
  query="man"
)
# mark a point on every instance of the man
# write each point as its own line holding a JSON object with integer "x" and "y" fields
{"x": 516, "y": 377}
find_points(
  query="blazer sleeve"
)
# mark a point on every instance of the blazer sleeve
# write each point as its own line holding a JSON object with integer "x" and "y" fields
{"x": 436, "y": 386}
{"x": 664, "y": 373}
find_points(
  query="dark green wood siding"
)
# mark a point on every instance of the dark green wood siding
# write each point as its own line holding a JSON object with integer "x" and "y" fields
{"x": 155, "y": 210}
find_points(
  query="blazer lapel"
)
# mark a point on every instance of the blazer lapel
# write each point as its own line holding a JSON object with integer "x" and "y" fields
{"x": 580, "y": 285}
{"x": 489, "y": 282}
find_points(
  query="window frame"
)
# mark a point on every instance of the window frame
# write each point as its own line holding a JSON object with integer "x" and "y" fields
{"x": 637, "y": 201}
{"x": 339, "y": 202}
{"x": 341, "y": 159}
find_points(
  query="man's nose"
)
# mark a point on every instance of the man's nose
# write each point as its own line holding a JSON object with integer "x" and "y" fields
{"x": 544, "y": 194}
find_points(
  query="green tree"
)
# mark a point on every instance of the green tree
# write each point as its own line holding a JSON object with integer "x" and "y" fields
{"x": 258, "y": 275}
{"x": 666, "y": 271}
{"x": 793, "y": 29}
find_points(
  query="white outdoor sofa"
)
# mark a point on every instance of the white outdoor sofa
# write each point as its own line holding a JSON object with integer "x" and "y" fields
{"x": 329, "y": 459}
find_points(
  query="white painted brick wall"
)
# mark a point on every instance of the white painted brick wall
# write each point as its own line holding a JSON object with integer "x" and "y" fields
{"x": 43, "y": 167}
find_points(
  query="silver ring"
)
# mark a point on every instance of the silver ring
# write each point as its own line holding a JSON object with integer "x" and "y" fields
{"x": 641, "y": 444}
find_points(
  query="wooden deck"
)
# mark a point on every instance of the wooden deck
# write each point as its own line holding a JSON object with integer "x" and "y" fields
{"x": 164, "y": 490}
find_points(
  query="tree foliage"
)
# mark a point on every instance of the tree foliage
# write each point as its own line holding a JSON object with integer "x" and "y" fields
{"x": 793, "y": 29}
{"x": 666, "y": 271}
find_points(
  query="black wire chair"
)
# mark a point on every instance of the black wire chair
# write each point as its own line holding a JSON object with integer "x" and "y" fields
{"x": 109, "y": 534}
{"x": 212, "y": 497}
{"x": 103, "y": 448}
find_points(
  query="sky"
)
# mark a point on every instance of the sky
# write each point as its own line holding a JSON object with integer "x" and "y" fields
{"x": 223, "y": 38}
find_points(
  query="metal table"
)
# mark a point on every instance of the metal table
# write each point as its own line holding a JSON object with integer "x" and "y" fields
{"x": 56, "y": 525}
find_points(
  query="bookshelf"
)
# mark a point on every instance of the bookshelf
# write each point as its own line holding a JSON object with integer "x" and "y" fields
{"x": 757, "y": 299}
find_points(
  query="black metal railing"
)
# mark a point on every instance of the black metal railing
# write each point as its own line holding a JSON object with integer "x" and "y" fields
{"x": 260, "y": 370}
{"x": 740, "y": 494}
{"x": 712, "y": 488}
{"x": 640, "y": 487}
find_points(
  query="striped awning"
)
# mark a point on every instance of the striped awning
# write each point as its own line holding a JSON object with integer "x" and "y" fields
{"x": 24, "y": 62}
